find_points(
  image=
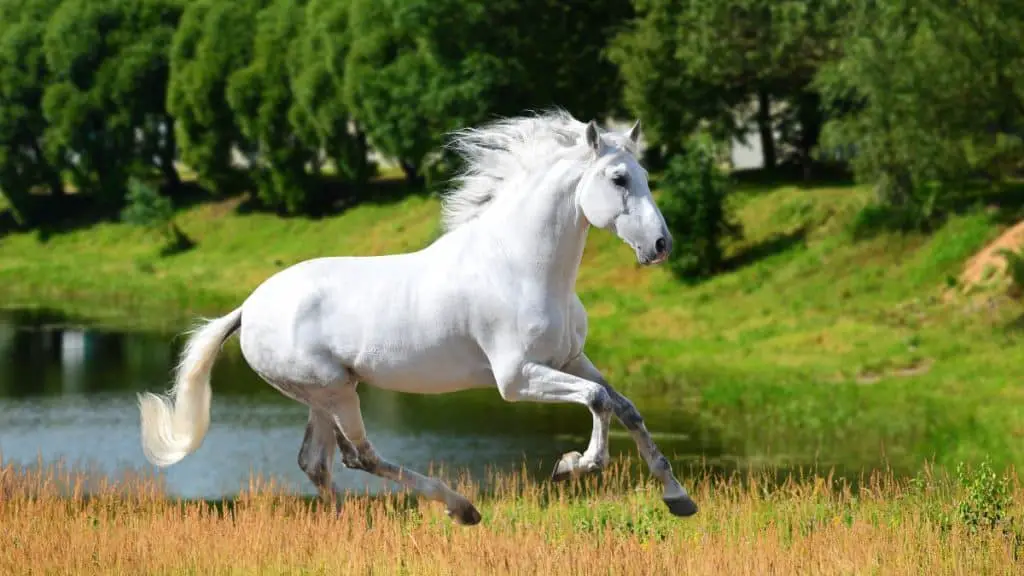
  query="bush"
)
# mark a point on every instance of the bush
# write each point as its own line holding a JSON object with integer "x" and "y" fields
{"x": 146, "y": 208}
{"x": 694, "y": 204}
{"x": 1014, "y": 271}
{"x": 986, "y": 500}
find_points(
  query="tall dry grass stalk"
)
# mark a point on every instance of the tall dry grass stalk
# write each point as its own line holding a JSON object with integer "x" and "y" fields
{"x": 58, "y": 521}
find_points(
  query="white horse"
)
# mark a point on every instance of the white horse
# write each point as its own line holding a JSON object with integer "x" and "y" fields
{"x": 490, "y": 304}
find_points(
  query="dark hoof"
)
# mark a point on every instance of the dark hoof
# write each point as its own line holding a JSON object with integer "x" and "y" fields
{"x": 565, "y": 467}
{"x": 466, "y": 515}
{"x": 683, "y": 506}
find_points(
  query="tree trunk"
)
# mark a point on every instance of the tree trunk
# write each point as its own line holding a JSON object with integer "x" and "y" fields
{"x": 809, "y": 114}
{"x": 167, "y": 155}
{"x": 412, "y": 174}
{"x": 50, "y": 173}
{"x": 764, "y": 125}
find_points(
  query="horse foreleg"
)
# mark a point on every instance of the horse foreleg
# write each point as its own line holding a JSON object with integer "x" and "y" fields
{"x": 540, "y": 383}
{"x": 675, "y": 496}
{"x": 349, "y": 419}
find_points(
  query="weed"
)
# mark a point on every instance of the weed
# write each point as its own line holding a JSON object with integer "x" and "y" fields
{"x": 987, "y": 498}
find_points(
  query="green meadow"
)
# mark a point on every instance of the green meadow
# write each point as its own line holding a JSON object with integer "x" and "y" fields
{"x": 820, "y": 345}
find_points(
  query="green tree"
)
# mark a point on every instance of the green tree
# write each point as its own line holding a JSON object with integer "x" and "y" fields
{"x": 319, "y": 113}
{"x": 420, "y": 68}
{"x": 554, "y": 54}
{"x": 105, "y": 104}
{"x": 213, "y": 40}
{"x": 658, "y": 85}
{"x": 694, "y": 203}
{"x": 932, "y": 95}
{"x": 692, "y": 61}
{"x": 412, "y": 75}
{"x": 25, "y": 162}
{"x": 260, "y": 95}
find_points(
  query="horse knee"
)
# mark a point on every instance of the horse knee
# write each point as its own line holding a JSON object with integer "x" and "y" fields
{"x": 599, "y": 402}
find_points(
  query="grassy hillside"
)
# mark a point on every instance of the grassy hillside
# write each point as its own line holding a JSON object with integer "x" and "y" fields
{"x": 814, "y": 347}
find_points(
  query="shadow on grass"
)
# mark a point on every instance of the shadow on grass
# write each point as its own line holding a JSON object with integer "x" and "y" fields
{"x": 55, "y": 215}
{"x": 773, "y": 246}
{"x": 1004, "y": 202}
{"x": 750, "y": 255}
{"x": 821, "y": 175}
{"x": 1015, "y": 326}
{"x": 334, "y": 196}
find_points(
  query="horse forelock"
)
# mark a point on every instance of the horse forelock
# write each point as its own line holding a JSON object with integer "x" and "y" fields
{"x": 503, "y": 150}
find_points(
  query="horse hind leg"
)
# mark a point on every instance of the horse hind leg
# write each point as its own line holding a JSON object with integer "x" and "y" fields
{"x": 351, "y": 432}
{"x": 316, "y": 455}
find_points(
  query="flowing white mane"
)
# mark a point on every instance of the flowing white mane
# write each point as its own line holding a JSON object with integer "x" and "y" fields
{"x": 497, "y": 151}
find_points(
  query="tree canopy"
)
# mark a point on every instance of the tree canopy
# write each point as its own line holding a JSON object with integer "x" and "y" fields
{"x": 290, "y": 99}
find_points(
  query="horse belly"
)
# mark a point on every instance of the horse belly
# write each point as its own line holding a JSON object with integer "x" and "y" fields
{"x": 431, "y": 371}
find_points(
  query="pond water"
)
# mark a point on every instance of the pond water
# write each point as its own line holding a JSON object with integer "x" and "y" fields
{"x": 68, "y": 393}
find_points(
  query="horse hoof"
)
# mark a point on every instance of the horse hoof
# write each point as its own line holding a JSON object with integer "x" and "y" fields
{"x": 466, "y": 515}
{"x": 565, "y": 468}
{"x": 683, "y": 506}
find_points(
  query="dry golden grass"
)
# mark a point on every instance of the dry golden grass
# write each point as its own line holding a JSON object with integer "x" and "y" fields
{"x": 59, "y": 522}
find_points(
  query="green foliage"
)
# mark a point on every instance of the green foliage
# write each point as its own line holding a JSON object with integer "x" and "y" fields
{"x": 412, "y": 75}
{"x": 986, "y": 500}
{"x": 554, "y": 54}
{"x": 105, "y": 104}
{"x": 146, "y": 208}
{"x": 1014, "y": 270}
{"x": 25, "y": 164}
{"x": 694, "y": 204}
{"x": 213, "y": 40}
{"x": 688, "y": 62}
{"x": 261, "y": 97}
{"x": 319, "y": 114}
{"x": 419, "y": 69}
{"x": 931, "y": 95}
{"x": 670, "y": 104}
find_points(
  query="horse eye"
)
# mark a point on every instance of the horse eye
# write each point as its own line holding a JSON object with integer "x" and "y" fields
{"x": 620, "y": 180}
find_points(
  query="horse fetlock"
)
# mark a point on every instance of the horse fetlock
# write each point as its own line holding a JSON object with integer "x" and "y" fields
{"x": 364, "y": 462}
{"x": 661, "y": 466}
{"x": 573, "y": 464}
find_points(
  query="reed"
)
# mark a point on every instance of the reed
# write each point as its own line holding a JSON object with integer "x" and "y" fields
{"x": 58, "y": 520}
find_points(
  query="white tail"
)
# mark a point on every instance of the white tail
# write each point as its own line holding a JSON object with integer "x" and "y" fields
{"x": 173, "y": 426}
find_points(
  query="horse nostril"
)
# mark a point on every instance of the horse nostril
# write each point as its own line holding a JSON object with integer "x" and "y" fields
{"x": 659, "y": 245}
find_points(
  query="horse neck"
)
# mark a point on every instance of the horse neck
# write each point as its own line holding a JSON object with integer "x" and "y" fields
{"x": 540, "y": 229}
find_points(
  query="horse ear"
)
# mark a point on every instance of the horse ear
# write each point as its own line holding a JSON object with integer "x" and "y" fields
{"x": 593, "y": 138}
{"x": 634, "y": 132}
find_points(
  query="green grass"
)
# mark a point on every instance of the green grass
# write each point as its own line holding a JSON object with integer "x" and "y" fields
{"x": 814, "y": 348}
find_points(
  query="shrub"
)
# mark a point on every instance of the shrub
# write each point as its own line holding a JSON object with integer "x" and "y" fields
{"x": 146, "y": 208}
{"x": 1014, "y": 271}
{"x": 986, "y": 500}
{"x": 695, "y": 190}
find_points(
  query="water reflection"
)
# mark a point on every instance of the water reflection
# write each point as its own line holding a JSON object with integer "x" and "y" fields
{"x": 68, "y": 392}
